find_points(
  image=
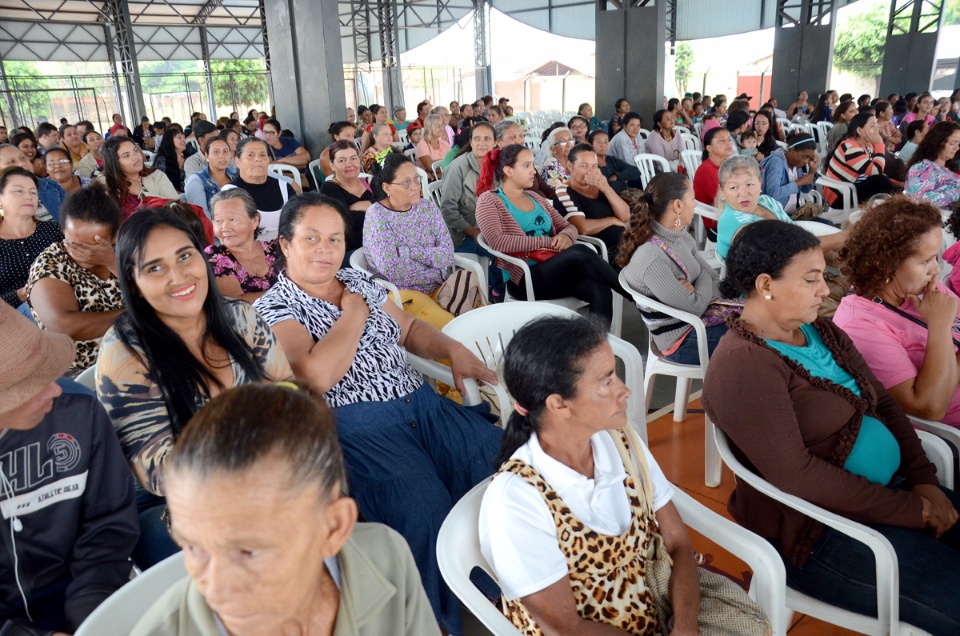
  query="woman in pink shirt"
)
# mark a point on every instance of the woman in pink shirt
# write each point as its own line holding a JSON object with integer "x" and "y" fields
{"x": 433, "y": 147}
{"x": 901, "y": 318}
{"x": 924, "y": 108}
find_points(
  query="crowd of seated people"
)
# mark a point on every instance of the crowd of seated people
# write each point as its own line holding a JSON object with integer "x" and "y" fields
{"x": 204, "y": 320}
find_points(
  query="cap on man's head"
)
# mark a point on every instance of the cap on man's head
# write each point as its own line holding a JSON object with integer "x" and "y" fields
{"x": 203, "y": 127}
{"x": 30, "y": 358}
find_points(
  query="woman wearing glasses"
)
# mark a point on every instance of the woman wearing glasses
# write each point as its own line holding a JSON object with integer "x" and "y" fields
{"x": 554, "y": 171}
{"x": 406, "y": 239}
{"x": 60, "y": 169}
{"x": 286, "y": 150}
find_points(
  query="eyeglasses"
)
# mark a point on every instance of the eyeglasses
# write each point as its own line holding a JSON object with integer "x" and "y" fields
{"x": 269, "y": 132}
{"x": 406, "y": 183}
{"x": 565, "y": 142}
{"x": 60, "y": 161}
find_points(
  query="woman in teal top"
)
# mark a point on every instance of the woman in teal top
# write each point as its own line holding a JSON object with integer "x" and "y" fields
{"x": 740, "y": 187}
{"x": 802, "y": 409}
{"x": 517, "y": 221}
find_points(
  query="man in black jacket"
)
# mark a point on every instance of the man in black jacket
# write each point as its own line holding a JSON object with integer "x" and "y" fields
{"x": 68, "y": 521}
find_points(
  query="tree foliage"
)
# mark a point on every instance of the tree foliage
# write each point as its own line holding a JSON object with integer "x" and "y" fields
{"x": 951, "y": 12}
{"x": 684, "y": 66}
{"x": 239, "y": 84}
{"x": 858, "y": 46}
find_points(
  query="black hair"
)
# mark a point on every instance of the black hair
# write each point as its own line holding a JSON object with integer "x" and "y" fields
{"x": 337, "y": 127}
{"x": 464, "y": 137}
{"x": 273, "y": 122}
{"x": 801, "y": 141}
{"x": 44, "y": 128}
{"x": 168, "y": 151}
{"x": 56, "y": 149}
{"x": 388, "y": 171}
{"x": 818, "y": 111}
{"x": 630, "y": 117}
{"x": 92, "y": 204}
{"x": 544, "y": 357}
{"x": 858, "y": 122}
{"x": 593, "y": 135}
{"x": 616, "y": 106}
{"x": 117, "y": 184}
{"x": 175, "y": 369}
{"x": 578, "y": 150}
{"x": 736, "y": 119}
{"x": 914, "y": 127}
{"x": 220, "y": 137}
{"x": 764, "y": 247}
{"x": 293, "y": 209}
{"x": 880, "y": 107}
{"x": 708, "y": 139}
{"x": 88, "y": 132}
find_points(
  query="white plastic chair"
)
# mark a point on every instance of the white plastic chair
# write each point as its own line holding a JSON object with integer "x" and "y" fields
{"x": 709, "y": 252}
{"x": 402, "y": 135}
{"x": 148, "y": 157}
{"x": 949, "y": 434}
{"x": 434, "y": 191}
{"x": 825, "y": 127}
{"x": 644, "y": 133}
{"x": 458, "y": 553}
{"x": 424, "y": 180}
{"x": 784, "y": 124}
{"x": 411, "y": 154}
{"x": 698, "y": 129}
{"x": 648, "y": 164}
{"x": 88, "y": 378}
{"x": 358, "y": 260}
{"x": 691, "y": 142}
{"x": 192, "y": 141}
{"x": 888, "y": 595}
{"x": 781, "y": 144}
{"x": 314, "y": 170}
{"x": 691, "y": 161}
{"x": 532, "y": 142}
{"x": 848, "y": 197}
{"x": 684, "y": 373}
{"x": 818, "y": 229}
{"x": 487, "y": 331}
{"x": 437, "y": 168}
{"x": 820, "y": 137}
{"x": 117, "y": 615}
{"x": 569, "y": 301}
{"x": 287, "y": 171}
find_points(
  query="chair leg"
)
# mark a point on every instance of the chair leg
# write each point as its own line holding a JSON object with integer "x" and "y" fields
{"x": 648, "y": 390}
{"x": 680, "y": 399}
{"x": 711, "y": 454}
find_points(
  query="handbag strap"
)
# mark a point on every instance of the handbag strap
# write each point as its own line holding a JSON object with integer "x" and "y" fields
{"x": 638, "y": 470}
{"x": 912, "y": 319}
{"x": 656, "y": 240}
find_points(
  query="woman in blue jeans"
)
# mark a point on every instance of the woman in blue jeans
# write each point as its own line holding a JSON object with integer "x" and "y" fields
{"x": 410, "y": 453}
{"x": 802, "y": 408}
{"x": 660, "y": 260}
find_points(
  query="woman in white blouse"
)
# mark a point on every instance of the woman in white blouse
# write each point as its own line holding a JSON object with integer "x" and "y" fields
{"x": 580, "y": 505}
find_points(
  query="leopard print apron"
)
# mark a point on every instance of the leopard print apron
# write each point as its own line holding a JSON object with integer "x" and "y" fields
{"x": 606, "y": 573}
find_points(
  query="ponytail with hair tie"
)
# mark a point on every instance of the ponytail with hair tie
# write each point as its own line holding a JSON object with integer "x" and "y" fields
{"x": 488, "y": 168}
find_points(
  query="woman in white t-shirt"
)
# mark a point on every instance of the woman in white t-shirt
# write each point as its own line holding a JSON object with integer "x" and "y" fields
{"x": 579, "y": 506}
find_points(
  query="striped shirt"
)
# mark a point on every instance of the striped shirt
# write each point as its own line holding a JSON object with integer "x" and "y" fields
{"x": 852, "y": 162}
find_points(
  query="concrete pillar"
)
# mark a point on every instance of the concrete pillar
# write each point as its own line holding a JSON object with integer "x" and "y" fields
{"x": 306, "y": 68}
{"x": 910, "y": 50}
{"x": 802, "y": 50}
{"x": 631, "y": 56}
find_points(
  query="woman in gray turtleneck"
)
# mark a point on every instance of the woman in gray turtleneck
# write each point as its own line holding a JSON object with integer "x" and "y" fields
{"x": 660, "y": 260}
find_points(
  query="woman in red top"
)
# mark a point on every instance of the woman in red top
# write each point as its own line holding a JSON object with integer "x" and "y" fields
{"x": 717, "y": 146}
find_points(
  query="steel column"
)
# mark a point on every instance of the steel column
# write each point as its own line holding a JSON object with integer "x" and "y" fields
{"x": 266, "y": 50}
{"x": 112, "y": 56}
{"x": 910, "y": 50}
{"x": 8, "y": 98}
{"x": 390, "y": 54}
{"x": 205, "y": 52}
{"x": 119, "y": 13}
{"x": 481, "y": 48}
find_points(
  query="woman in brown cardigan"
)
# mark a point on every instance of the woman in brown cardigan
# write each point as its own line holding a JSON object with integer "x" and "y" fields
{"x": 514, "y": 220}
{"x": 799, "y": 403}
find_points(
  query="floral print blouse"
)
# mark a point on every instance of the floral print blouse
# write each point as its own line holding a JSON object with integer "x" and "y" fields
{"x": 224, "y": 264}
{"x": 553, "y": 172}
{"x": 929, "y": 182}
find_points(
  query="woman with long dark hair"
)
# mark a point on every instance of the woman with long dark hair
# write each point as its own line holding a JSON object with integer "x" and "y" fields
{"x": 178, "y": 344}
{"x": 513, "y": 219}
{"x": 860, "y": 159}
{"x": 170, "y": 156}
{"x": 765, "y": 125}
{"x": 128, "y": 178}
{"x": 933, "y": 174}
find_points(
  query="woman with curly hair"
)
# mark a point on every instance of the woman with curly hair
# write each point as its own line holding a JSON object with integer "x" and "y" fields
{"x": 933, "y": 174}
{"x": 660, "y": 260}
{"x": 901, "y": 318}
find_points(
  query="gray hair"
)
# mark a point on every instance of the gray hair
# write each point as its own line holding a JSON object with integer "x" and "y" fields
{"x": 246, "y": 425}
{"x": 501, "y": 129}
{"x": 738, "y": 163}
{"x": 552, "y": 137}
{"x": 377, "y": 128}
{"x": 249, "y": 205}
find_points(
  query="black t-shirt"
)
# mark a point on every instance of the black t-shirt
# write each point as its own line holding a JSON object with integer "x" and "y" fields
{"x": 334, "y": 190}
{"x": 594, "y": 209}
{"x": 268, "y": 197}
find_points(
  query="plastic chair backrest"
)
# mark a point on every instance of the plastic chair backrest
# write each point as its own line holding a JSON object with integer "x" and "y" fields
{"x": 458, "y": 553}
{"x": 691, "y": 161}
{"x": 411, "y": 154}
{"x": 288, "y": 171}
{"x": 437, "y": 168}
{"x": 88, "y": 378}
{"x": 313, "y": 168}
{"x": 358, "y": 261}
{"x": 149, "y": 157}
{"x": 648, "y": 164}
{"x": 117, "y": 615}
{"x": 434, "y": 191}
{"x": 424, "y": 180}
{"x": 691, "y": 142}
{"x": 402, "y": 135}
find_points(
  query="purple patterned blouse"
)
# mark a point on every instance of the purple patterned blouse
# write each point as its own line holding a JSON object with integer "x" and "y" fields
{"x": 224, "y": 264}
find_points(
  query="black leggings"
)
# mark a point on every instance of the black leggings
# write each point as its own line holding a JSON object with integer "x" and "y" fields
{"x": 577, "y": 271}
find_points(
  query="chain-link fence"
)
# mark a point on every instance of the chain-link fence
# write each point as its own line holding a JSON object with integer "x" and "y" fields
{"x": 94, "y": 97}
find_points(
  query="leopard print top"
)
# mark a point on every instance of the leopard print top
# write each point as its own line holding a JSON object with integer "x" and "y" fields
{"x": 606, "y": 573}
{"x": 93, "y": 294}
